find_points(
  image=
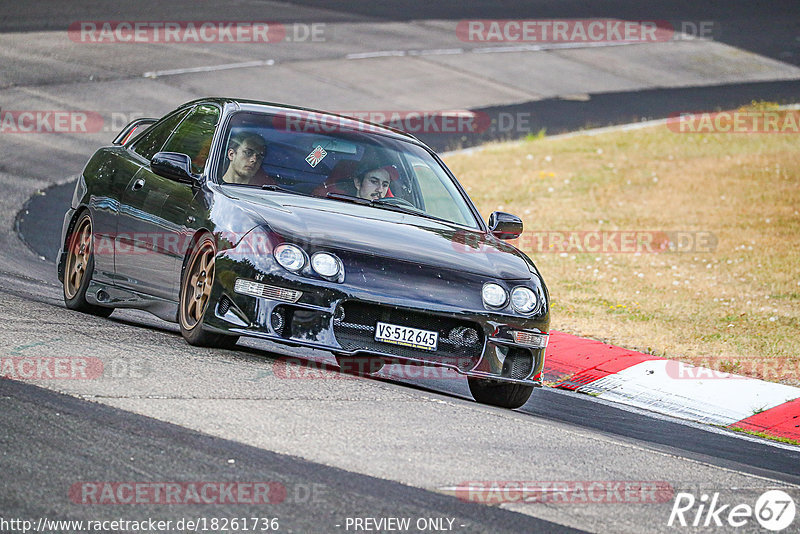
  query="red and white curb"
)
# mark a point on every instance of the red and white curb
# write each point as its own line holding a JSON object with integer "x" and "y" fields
{"x": 670, "y": 387}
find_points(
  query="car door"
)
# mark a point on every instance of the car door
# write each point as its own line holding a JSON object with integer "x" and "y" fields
{"x": 139, "y": 202}
{"x": 156, "y": 221}
{"x": 193, "y": 137}
{"x": 108, "y": 177}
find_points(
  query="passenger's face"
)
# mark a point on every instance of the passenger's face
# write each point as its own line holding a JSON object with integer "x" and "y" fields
{"x": 246, "y": 159}
{"x": 374, "y": 184}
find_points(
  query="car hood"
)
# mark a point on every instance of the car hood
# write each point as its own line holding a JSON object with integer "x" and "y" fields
{"x": 320, "y": 223}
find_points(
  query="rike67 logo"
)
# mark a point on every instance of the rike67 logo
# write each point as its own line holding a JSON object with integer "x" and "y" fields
{"x": 774, "y": 510}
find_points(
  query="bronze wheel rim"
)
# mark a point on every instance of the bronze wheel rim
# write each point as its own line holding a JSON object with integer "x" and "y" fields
{"x": 78, "y": 256}
{"x": 197, "y": 285}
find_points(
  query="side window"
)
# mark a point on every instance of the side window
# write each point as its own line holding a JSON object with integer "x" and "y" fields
{"x": 154, "y": 137}
{"x": 438, "y": 197}
{"x": 193, "y": 136}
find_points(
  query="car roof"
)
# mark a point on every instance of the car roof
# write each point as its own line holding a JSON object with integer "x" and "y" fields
{"x": 272, "y": 107}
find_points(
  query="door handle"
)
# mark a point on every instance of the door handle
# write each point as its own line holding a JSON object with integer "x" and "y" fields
{"x": 138, "y": 184}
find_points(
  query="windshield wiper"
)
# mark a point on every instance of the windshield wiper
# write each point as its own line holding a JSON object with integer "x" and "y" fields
{"x": 275, "y": 187}
{"x": 383, "y": 203}
{"x": 389, "y": 203}
{"x": 348, "y": 198}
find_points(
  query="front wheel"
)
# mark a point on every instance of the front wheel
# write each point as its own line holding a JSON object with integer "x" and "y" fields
{"x": 80, "y": 267}
{"x": 500, "y": 394}
{"x": 196, "y": 283}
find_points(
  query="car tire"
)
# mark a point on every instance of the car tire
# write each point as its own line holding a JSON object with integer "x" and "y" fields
{"x": 79, "y": 268}
{"x": 500, "y": 394}
{"x": 197, "y": 281}
{"x": 359, "y": 365}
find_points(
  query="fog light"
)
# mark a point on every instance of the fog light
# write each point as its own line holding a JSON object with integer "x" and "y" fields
{"x": 523, "y": 299}
{"x": 277, "y": 322}
{"x": 325, "y": 264}
{"x": 494, "y": 295}
{"x": 291, "y": 257}
{"x": 461, "y": 335}
{"x": 531, "y": 339}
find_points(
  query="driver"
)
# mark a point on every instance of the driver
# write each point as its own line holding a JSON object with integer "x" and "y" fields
{"x": 246, "y": 151}
{"x": 374, "y": 184}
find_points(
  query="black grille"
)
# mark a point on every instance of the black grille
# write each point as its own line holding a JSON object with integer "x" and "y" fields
{"x": 224, "y": 306}
{"x": 460, "y": 342}
{"x": 518, "y": 364}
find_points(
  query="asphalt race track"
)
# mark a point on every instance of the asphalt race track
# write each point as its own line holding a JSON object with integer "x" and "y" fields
{"x": 333, "y": 447}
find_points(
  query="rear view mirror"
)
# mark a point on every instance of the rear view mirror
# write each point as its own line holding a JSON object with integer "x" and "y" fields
{"x": 173, "y": 165}
{"x": 504, "y": 225}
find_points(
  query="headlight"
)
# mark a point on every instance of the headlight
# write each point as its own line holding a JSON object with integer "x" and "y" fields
{"x": 494, "y": 295}
{"x": 291, "y": 257}
{"x": 325, "y": 264}
{"x": 523, "y": 299}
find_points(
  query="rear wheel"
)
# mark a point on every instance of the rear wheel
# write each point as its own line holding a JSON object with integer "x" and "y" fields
{"x": 500, "y": 394}
{"x": 79, "y": 268}
{"x": 360, "y": 365}
{"x": 196, "y": 283}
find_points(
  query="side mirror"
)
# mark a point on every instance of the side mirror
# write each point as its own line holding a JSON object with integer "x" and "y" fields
{"x": 133, "y": 128}
{"x": 173, "y": 165}
{"x": 504, "y": 225}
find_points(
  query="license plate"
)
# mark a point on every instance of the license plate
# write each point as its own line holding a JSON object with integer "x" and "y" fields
{"x": 406, "y": 336}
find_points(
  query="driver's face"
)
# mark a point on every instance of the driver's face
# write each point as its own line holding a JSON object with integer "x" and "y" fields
{"x": 374, "y": 184}
{"x": 246, "y": 159}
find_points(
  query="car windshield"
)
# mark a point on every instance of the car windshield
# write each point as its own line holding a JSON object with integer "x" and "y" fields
{"x": 347, "y": 161}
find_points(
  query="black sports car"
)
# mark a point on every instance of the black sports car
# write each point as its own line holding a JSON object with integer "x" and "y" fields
{"x": 240, "y": 218}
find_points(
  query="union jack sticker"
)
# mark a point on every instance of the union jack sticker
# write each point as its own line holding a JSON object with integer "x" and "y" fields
{"x": 316, "y": 156}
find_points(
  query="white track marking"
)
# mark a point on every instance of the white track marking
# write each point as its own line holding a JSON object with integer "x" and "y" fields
{"x": 481, "y": 50}
{"x": 658, "y": 386}
{"x": 209, "y": 68}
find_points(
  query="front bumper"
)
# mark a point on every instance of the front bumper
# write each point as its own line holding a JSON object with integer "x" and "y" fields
{"x": 341, "y": 318}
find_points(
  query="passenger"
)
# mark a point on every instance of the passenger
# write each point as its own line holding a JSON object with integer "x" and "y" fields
{"x": 246, "y": 151}
{"x": 374, "y": 184}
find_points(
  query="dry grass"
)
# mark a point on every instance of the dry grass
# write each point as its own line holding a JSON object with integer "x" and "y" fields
{"x": 735, "y": 309}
